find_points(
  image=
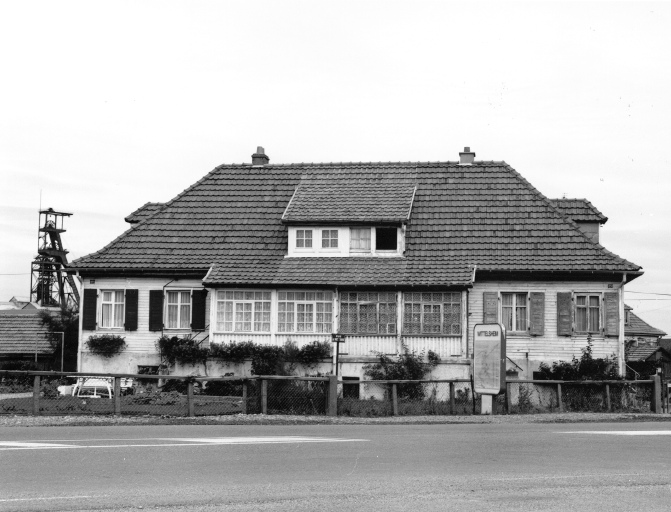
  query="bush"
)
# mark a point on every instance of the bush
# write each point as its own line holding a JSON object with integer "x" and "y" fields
{"x": 407, "y": 366}
{"x": 106, "y": 345}
{"x": 585, "y": 368}
{"x": 183, "y": 350}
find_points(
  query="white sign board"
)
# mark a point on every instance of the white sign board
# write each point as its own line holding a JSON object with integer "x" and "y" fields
{"x": 489, "y": 359}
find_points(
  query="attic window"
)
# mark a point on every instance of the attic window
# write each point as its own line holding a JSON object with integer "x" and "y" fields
{"x": 385, "y": 239}
{"x": 304, "y": 238}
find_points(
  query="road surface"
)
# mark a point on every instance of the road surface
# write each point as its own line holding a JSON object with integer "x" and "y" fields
{"x": 623, "y": 466}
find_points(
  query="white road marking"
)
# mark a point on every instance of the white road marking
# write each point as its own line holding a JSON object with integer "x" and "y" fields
{"x": 52, "y": 498}
{"x": 621, "y": 432}
{"x": 195, "y": 441}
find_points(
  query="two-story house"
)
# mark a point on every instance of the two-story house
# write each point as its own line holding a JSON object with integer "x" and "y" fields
{"x": 389, "y": 254}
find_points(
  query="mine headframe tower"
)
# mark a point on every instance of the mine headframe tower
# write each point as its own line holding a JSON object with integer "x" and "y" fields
{"x": 50, "y": 285}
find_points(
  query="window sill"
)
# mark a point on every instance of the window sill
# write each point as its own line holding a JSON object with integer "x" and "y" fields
{"x": 430, "y": 335}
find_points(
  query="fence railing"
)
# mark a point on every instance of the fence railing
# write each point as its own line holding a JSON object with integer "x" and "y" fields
{"x": 56, "y": 393}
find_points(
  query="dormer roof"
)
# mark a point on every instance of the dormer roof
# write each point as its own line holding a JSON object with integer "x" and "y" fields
{"x": 579, "y": 210}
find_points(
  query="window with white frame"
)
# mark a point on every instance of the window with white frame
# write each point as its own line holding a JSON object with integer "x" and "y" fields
{"x": 303, "y": 238}
{"x": 432, "y": 313}
{"x": 305, "y": 311}
{"x": 368, "y": 312}
{"x": 112, "y": 309}
{"x": 243, "y": 311}
{"x": 178, "y": 309}
{"x": 587, "y": 312}
{"x": 514, "y": 316}
{"x": 329, "y": 238}
{"x": 359, "y": 239}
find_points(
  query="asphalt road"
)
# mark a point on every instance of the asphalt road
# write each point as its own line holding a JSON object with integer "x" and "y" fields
{"x": 337, "y": 467}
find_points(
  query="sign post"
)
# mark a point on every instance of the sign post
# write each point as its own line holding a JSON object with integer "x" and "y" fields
{"x": 337, "y": 339}
{"x": 489, "y": 363}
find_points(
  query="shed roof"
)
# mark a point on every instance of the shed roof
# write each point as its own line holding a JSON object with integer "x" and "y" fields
{"x": 143, "y": 212}
{"x": 639, "y": 327}
{"x": 579, "y": 210}
{"x": 23, "y": 333}
{"x": 463, "y": 216}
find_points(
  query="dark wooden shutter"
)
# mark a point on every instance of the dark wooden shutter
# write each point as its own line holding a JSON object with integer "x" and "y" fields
{"x": 611, "y": 313}
{"x": 131, "y": 310}
{"x": 537, "y": 313}
{"x": 490, "y": 307}
{"x": 198, "y": 313}
{"x": 90, "y": 310}
{"x": 564, "y": 314}
{"x": 155, "y": 310}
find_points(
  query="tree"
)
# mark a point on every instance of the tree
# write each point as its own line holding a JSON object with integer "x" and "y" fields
{"x": 65, "y": 321}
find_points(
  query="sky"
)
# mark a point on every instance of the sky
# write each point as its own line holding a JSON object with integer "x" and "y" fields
{"x": 107, "y": 105}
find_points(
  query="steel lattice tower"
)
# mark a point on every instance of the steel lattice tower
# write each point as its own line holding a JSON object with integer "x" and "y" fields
{"x": 49, "y": 283}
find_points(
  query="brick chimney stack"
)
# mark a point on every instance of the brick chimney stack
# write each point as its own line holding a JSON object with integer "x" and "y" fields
{"x": 260, "y": 157}
{"x": 466, "y": 157}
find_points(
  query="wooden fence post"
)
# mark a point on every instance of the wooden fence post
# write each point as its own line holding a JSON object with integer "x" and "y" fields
{"x": 189, "y": 398}
{"x": 264, "y": 396}
{"x": 36, "y": 395}
{"x": 656, "y": 400}
{"x": 451, "y": 397}
{"x": 560, "y": 404}
{"x": 608, "y": 408}
{"x": 509, "y": 399}
{"x": 332, "y": 395}
{"x": 117, "y": 396}
{"x": 245, "y": 395}
{"x": 394, "y": 399}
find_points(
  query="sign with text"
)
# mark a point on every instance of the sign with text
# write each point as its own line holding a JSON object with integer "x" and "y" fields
{"x": 489, "y": 359}
{"x": 338, "y": 338}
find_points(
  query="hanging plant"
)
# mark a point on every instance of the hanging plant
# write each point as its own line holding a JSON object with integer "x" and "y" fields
{"x": 106, "y": 345}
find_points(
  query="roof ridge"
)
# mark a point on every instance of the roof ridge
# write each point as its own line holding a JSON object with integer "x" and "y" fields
{"x": 569, "y": 221}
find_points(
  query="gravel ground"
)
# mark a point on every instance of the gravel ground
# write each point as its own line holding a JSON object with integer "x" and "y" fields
{"x": 260, "y": 419}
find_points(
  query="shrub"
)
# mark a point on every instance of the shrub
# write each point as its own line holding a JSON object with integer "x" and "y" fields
{"x": 183, "y": 350}
{"x": 106, "y": 345}
{"x": 407, "y": 366}
{"x": 585, "y": 368}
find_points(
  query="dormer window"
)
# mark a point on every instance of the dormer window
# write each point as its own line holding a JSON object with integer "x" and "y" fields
{"x": 345, "y": 241}
{"x": 359, "y": 239}
{"x": 386, "y": 239}
{"x": 329, "y": 238}
{"x": 304, "y": 238}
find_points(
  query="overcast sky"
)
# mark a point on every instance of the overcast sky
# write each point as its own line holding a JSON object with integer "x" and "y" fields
{"x": 105, "y": 106}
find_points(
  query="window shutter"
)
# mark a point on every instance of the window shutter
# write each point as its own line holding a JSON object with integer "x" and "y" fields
{"x": 611, "y": 313}
{"x": 89, "y": 310}
{"x": 564, "y": 316}
{"x": 131, "y": 310}
{"x": 198, "y": 313}
{"x": 490, "y": 303}
{"x": 155, "y": 310}
{"x": 537, "y": 313}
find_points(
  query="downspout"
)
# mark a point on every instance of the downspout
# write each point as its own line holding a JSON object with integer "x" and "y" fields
{"x": 620, "y": 359}
{"x": 81, "y": 323}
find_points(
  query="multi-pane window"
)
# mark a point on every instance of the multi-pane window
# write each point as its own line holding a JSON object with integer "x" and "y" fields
{"x": 368, "y": 312}
{"x": 587, "y": 313}
{"x": 112, "y": 308}
{"x": 329, "y": 238}
{"x": 243, "y": 311}
{"x": 359, "y": 239}
{"x": 432, "y": 313}
{"x": 305, "y": 311}
{"x": 514, "y": 311}
{"x": 178, "y": 305}
{"x": 304, "y": 238}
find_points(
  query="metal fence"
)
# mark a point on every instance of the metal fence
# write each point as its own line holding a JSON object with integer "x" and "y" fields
{"x": 51, "y": 393}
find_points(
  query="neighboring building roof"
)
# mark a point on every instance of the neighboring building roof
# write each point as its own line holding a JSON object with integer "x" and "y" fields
{"x": 665, "y": 343}
{"x": 143, "y": 212}
{"x": 579, "y": 210}
{"x": 639, "y": 327}
{"x": 483, "y": 215}
{"x": 9, "y": 306}
{"x": 22, "y": 333}
{"x": 326, "y": 197}
{"x": 645, "y": 351}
